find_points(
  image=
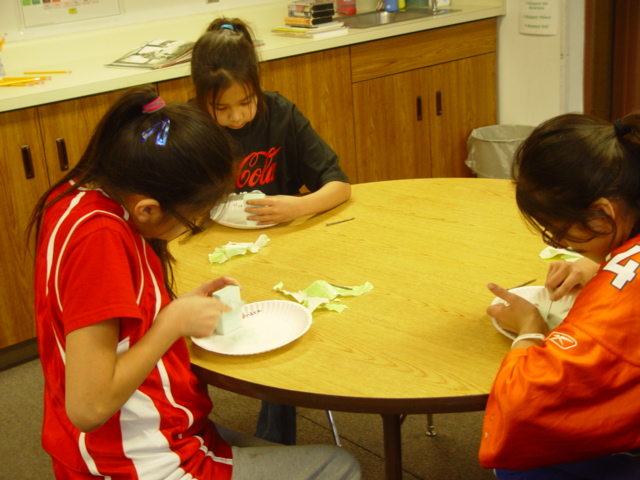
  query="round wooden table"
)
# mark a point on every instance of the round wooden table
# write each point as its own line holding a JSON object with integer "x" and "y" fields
{"x": 420, "y": 341}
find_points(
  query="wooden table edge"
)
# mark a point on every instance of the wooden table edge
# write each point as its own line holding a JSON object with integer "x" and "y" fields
{"x": 383, "y": 406}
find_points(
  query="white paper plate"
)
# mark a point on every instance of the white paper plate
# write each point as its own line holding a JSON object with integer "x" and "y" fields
{"x": 539, "y": 296}
{"x": 265, "y": 326}
{"x": 231, "y": 213}
{"x": 243, "y": 226}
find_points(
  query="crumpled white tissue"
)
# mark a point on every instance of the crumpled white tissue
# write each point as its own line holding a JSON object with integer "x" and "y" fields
{"x": 231, "y": 249}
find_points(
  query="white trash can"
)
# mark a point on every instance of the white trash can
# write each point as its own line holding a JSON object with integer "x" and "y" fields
{"x": 491, "y": 149}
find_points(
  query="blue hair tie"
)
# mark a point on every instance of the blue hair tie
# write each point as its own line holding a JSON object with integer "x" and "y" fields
{"x": 228, "y": 27}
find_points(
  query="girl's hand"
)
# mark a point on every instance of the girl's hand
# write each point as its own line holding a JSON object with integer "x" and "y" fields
{"x": 192, "y": 315}
{"x": 274, "y": 209}
{"x": 196, "y": 314}
{"x": 518, "y": 316}
{"x": 564, "y": 277}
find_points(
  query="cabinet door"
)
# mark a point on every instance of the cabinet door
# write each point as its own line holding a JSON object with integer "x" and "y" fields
{"x": 463, "y": 97}
{"x": 67, "y": 128}
{"x": 21, "y": 156}
{"x": 392, "y": 127}
{"x": 320, "y": 85}
{"x": 178, "y": 90}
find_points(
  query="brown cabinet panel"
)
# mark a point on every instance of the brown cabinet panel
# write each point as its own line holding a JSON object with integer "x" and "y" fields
{"x": 422, "y": 49}
{"x": 466, "y": 95}
{"x": 391, "y": 117}
{"x": 20, "y": 144}
{"x": 319, "y": 84}
{"x": 71, "y": 123}
{"x": 178, "y": 90}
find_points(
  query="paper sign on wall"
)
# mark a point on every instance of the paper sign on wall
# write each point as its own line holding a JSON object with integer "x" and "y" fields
{"x": 539, "y": 17}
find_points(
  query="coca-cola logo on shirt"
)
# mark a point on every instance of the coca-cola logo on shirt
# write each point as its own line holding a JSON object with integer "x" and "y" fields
{"x": 258, "y": 168}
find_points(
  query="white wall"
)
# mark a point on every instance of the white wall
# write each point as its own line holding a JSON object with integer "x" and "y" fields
{"x": 540, "y": 76}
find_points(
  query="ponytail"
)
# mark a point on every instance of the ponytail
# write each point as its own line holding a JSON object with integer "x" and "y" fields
{"x": 627, "y": 131}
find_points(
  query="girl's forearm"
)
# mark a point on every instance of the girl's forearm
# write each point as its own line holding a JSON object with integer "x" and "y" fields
{"x": 330, "y": 195}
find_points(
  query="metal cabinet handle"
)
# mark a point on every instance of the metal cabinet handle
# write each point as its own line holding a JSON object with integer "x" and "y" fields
{"x": 62, "y": 154}
{"x": 419, "y": 107}
{"x": 27, "y": 161}
{"x": 438, "y": 103}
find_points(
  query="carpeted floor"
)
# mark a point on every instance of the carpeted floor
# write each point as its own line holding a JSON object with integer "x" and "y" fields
{"x": 450, "y": 455}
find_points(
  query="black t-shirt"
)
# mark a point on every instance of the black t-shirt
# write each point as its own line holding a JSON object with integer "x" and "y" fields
{"x": 283, "y": 153}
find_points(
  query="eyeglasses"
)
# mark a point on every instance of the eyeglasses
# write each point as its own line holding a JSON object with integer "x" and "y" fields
{"x": 190, "y": 226}
{"x": 559, "y": 235}
{"x": 550, "y": 239}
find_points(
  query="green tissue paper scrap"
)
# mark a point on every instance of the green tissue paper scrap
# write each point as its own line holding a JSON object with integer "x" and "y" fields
{"x": 231, "y": 249}
{"x": 320, "y": 293}
{"x": 552, "y": 253}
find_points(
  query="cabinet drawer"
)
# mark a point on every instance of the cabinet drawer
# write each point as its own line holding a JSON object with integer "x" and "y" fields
{"x": 416, "y": 50}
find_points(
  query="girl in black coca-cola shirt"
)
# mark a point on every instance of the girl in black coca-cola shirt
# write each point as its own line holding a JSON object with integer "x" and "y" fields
{"x": 281, "y": 151}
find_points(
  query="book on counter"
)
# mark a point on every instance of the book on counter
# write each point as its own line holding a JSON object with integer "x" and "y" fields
{"x": 156, "y": 54}
{"x": 310, "y": 6}
{"x": 307, "y": 22}
{"x": 331, "y": 29}
{"x": 321, "y": 13}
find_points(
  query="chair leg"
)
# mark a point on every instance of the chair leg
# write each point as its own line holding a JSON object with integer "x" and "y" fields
{"x": 334, "y": 429}
{"x": 431, "y": 429}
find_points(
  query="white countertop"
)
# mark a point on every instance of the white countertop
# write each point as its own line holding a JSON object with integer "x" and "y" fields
{"x": 86, "y": 53}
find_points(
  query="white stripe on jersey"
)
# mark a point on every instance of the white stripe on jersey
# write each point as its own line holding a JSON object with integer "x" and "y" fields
{"x": 87, "y": 458}
{"x": 52, "y": 239}
{"x": 142, "y": 441}
{"x": 203, "y": 447}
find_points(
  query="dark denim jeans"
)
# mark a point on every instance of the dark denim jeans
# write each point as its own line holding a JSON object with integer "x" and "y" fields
{"x": 622, "y": 466}
{"x": 277, "y": 423}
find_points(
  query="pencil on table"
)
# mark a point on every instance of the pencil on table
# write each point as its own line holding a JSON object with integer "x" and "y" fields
{"x": 341, "y": 221}
{"x": 18, "y": 83}
{"x": 46, "y": 72}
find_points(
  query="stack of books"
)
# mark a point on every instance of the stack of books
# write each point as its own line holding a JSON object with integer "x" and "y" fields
{"x": 311, "y": 19}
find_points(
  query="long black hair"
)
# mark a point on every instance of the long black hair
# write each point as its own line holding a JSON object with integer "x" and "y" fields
{"x": 572, "y": 160}
{"x": 192, "y": 169}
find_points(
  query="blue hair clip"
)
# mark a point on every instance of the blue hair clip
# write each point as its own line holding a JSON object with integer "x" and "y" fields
{"x": 227, "y": 26}
{"x": 162, "y": 129}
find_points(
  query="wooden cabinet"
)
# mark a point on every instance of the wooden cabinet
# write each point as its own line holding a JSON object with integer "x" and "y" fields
{"x": 37, "y": 147}
{"x": 418, "y": 97}
{"x": 24, "y": 179}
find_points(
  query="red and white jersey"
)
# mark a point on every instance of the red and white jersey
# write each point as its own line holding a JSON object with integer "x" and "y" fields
{"x": 93, "y": 265}
{"x": 577, "y": 396}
